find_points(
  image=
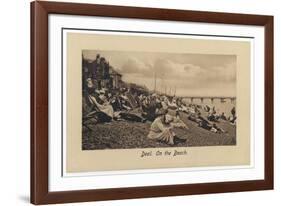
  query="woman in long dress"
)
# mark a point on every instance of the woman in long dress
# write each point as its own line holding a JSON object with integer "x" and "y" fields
{"x": 161, "y": 129}
{"x": 105, "y": 107}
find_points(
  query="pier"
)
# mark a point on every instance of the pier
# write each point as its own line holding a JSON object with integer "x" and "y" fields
{"x": 223, "y": 99}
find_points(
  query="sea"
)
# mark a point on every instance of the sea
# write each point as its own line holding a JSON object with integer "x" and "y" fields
{"x": 221, "y": 106}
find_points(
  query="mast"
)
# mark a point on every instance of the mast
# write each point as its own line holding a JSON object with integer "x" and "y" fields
{"x": 154, "y": 81}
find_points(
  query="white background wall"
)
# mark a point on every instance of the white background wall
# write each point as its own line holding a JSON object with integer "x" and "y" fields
{"x": 14, "y": 109}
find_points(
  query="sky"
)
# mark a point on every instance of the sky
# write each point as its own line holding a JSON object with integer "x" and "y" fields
{"x": 179, "y": 74}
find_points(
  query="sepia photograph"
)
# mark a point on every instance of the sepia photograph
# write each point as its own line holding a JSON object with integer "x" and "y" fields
{"x": 136, "y": 102}
{"x": 157, "y": 99}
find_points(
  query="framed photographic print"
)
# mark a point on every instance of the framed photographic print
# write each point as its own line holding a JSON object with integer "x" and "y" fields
{"x": 133, "y": 102}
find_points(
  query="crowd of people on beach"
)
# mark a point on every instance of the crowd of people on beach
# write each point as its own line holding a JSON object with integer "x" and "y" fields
{"x": 103, "y": 105}
{"x": 126, "y": 104}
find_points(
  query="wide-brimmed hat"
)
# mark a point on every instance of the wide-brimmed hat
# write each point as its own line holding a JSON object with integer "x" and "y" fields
{"x": 102, "y": 91}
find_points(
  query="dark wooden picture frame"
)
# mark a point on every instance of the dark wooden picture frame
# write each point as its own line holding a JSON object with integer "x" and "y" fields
{"x": 39, "y": 102}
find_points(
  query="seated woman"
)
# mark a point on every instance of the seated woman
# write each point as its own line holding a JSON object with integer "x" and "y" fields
{"x": 184, "y": 108}
{"x": 116, "y": 103}
{"x": 223, "y": 117}
{"x": 149, "y": 109}
{"x": 173, "y": 104}
{"x": 207, "y": 108}
{"x": 232, "y": 120}
{"x": 106, "y": 107}
{"x": 192, "y": 110}
{"x": 161, "y": 129}
{"x": 213, "y": 117}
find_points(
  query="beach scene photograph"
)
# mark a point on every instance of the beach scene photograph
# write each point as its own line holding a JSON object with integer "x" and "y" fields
{"x": 133, "y": 99}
